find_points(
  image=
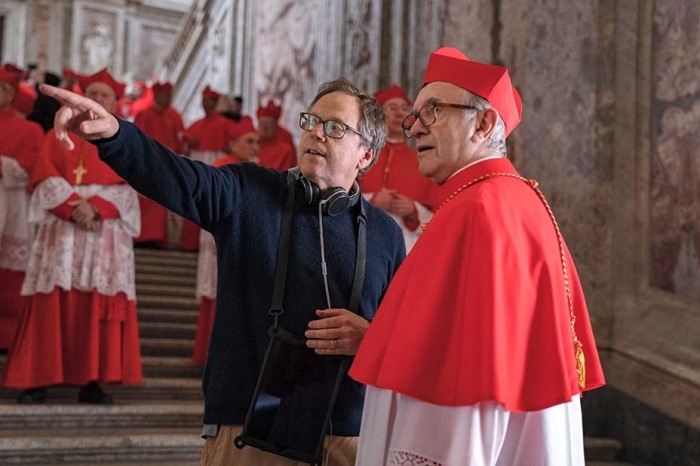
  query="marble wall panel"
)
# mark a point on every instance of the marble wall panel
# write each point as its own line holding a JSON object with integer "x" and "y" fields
{"x": 285, "y": 50}
{"x": 674, "y": 181}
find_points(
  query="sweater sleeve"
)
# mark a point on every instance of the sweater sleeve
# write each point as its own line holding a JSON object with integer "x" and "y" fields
{"x": 194, "y": 190}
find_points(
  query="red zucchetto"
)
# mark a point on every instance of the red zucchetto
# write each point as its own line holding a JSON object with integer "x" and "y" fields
{"x": 394, "y": 92}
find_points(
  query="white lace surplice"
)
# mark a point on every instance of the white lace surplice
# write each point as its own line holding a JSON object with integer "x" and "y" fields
{"x": 400, "y": 430}
{"x": 71, "y": 258}
{"x": 15, "y": 232}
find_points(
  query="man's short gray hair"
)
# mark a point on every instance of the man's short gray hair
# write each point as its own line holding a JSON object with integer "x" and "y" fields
{"x": 497, "y": 140}
{"x": 372, "y": 120}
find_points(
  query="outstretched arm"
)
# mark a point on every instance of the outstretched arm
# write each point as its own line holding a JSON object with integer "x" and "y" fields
{"x": 80, "y": 115}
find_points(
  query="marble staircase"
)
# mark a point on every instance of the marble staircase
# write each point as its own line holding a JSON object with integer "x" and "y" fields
{"x": 157, "y": 422}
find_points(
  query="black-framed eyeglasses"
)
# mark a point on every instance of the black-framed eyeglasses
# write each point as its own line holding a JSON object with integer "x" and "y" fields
{"x": 428, "y": 115}
{"x": 331, "y": 128}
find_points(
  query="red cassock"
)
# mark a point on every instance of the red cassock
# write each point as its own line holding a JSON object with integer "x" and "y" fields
{"x": 80, "y": 324}
{"x": 206, "y": 283}
{"x": 276, "y": 154}
{"x": 478, "y": 310}
{"x": 212, "y": 133}
{"x": 166, "y": 127}
{"x": 397, "y": 168}
{"x": 20, "y": 141}
{"x": 285, "y": 136}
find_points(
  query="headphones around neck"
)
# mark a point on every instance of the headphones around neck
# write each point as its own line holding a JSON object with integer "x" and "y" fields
{"x": 334, "y": 201}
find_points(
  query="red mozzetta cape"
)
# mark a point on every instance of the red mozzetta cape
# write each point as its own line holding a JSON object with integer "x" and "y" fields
{"x": 228, "y": 159}
{"x": 397, "y": 168}
{"x": 276, "y": 154}
{"x": 212, "y": 132}
{"x": 163, "y": 125}
{"x": 20, "y": 139}
{"x": 478, "y": 310}
{"x": 56, "y": 160}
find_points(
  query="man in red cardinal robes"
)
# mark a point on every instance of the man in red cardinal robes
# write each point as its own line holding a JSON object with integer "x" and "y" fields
{"x": 244, "y": 147}
{"x": 206, "y": 140}
{"x": 483, "y": 338}
{"x": 80, "y": 326}
{"x": 395, "y": 184}
{"x": 164, "y": 124}
{"x": 274, "y": 153}
{"x": 20, "y": 141}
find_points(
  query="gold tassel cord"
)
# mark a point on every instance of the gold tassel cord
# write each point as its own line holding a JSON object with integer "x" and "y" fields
{"x": 580, "y": 365}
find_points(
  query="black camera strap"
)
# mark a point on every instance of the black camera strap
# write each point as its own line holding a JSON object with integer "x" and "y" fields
{"x": 283, "y": 248}
{"x": 290, "y": 412}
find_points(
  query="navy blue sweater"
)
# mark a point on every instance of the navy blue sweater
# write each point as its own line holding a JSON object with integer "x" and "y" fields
{"x": 241, "y": 205}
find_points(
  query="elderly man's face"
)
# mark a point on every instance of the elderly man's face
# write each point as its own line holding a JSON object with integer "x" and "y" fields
{"x": 332, "y": 162}
{"x": 395, "y": 110}
{"x": 103, "y": 95}
{"x": 267, "y": 126}
{"x": 447, "y": 145}
{"x": 246, "y": 146}
{"x": 7, "y": 94}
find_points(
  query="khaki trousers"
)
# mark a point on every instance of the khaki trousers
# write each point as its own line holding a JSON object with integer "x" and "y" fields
{"x": 220, "y": 451}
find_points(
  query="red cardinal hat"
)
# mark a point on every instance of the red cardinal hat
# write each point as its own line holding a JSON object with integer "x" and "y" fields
{"x": 209, "y": 92}
{"x": 10, "y": 77}
{"x": 161, "y": 87}
{"x": 241, "y": 127}
{"x": 102, "y": 76}
{"x": 490, "y": 82}
{"x": 394, "y": 92}
{"x": 270, "y": 110}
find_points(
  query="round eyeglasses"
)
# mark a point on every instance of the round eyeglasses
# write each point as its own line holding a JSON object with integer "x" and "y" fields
{"x": 428, "y": 115}
{"x": 331, "y": 128}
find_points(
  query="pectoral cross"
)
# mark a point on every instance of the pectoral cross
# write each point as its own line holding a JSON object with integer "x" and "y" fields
{"x": 79, "y": 172}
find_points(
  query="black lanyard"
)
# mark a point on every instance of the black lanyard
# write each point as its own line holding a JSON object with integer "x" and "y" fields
{"x": 283, "y": 247}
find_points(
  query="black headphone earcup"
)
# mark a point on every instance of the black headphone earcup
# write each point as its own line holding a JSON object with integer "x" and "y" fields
{"x": 307, "y": 192}
{"x": 335, "y": 201}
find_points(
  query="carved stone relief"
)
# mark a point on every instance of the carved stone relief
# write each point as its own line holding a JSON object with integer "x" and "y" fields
{"x": 674, "y": 183}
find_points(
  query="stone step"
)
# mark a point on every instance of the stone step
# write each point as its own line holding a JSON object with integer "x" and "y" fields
{"x": 152, "y": 388}
{"x": 170, "y": 367}
{"x": 134, "y": 414}
{"x": 143, "y": 290}
{"x": 167, "y": 302}
{"x": 169, "y": 259}
{"x": 149, "y": 253}
{"x": 189, "y": 270}
{"x": 163, "y": 279}
{"x": 168, "y": 347}
{"x": 165, "y": 315}
{"x": 102, "y": 446}
{"x": 167, "y": 330}
{"x": 601, "y": 448}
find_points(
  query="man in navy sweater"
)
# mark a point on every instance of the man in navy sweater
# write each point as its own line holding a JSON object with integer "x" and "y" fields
{"x": 242, "y": 206}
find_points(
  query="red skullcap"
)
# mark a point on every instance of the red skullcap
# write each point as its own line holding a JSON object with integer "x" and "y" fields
{"x": 12, "y": 68}
{"x": 394, "y": 92}
{"x": 270, "y": 110}
{"x": 209, "y": 92}
{"x": 241, "y": 127}
{"x": 161, "y": 87}
{"x": 10, "y": 77}
{"x": 102, "y": 76}
{"x": 490, "y": 82}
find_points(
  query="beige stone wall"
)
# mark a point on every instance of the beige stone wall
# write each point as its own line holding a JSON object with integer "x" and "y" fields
{"x": 610, "y": 129}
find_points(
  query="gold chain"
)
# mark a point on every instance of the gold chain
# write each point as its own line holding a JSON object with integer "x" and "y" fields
{"x": 578, "y": 346}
